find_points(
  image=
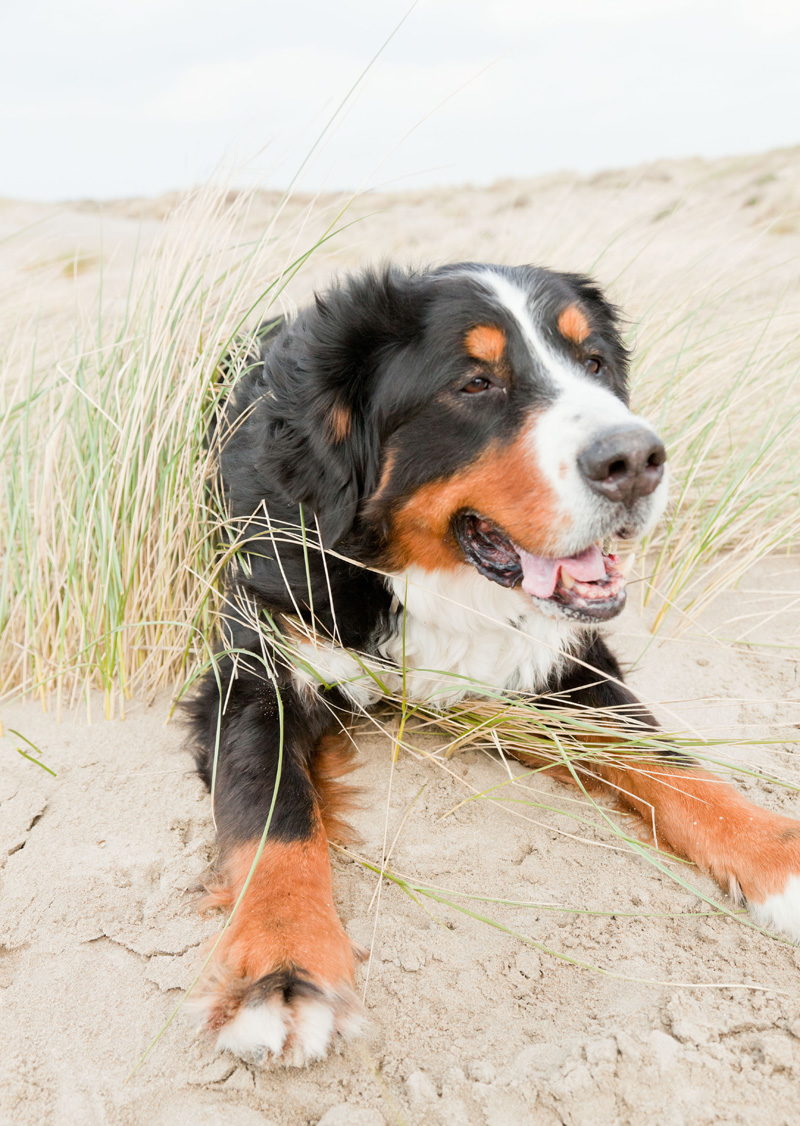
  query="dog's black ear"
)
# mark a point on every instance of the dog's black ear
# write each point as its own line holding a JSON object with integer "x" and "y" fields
{"x": 322, "y": 376}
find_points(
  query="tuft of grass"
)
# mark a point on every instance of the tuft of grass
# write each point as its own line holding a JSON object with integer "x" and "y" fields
{"x": 26, "y": 755}
{"x": 105, "y": 581}
{"x": 726, "y": 402}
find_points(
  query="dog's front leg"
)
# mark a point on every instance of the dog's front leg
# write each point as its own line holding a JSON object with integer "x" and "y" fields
{"x": 281, "y": 985}
{"x": 752, "y": 853}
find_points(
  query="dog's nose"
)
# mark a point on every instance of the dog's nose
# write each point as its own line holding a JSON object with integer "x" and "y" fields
{"x": 623, "y": 463}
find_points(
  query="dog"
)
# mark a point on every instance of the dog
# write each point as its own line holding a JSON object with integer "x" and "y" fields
{"x": 455, "y": 447}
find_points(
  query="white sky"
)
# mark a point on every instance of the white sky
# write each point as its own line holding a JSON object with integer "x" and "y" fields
{"x": 120, "y": 97}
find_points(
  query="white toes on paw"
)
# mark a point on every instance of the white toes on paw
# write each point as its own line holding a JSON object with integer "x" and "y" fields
{"x": 256, "y": 1032}
{"x": 312, "y": 1033}
{"x": 294, "y": 1033}
{"x": 780, "y": 912}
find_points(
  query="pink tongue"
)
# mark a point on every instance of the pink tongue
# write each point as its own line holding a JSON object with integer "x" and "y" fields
{"x": 540, "y": 575}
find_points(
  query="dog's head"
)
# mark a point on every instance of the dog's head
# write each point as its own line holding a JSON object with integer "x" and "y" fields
{"x": 471, "y": 416}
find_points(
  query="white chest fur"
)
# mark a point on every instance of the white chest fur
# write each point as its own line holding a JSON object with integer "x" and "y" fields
{"x": 460, "y": 633}
{"x": 457, "y": 634}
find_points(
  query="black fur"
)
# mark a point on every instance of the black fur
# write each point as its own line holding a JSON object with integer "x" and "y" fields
{"x": 266, "y": 735}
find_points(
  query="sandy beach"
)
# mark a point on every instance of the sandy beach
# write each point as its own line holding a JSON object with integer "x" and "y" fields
{"x": 683, "y": 1016}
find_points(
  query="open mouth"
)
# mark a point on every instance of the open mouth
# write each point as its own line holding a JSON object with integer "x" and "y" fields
{"x": 587, "y": 587}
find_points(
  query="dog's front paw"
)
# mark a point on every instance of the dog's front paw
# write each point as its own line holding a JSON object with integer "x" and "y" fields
{"x": 767, "y": 874}
{"x": 780, "y": 911}
{"x": 281, "y": 986}
{"x": 284, "y": 1017}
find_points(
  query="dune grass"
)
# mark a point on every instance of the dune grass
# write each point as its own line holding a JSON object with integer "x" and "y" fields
{"x": 109, "y": 572}
{"x": 107, "y": 575}
{"x": 728, "y": 406}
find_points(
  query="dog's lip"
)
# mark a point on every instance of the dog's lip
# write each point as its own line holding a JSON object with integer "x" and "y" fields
{"x": 586, "y": 586}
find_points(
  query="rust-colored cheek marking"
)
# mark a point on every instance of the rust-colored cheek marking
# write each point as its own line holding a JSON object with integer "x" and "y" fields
{"x": 486, "y": 343}
{"x": 504, "y": 484}
{"x": 339, "y": 422}
{"x": 572, "y": 324}
{"x": 287, "y": 916}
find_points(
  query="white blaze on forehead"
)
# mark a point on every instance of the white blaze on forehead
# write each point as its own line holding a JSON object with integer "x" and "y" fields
{"x": 580, "y": 409}
{"x": 514, "y": 301}
{"x": 566, "y": 378}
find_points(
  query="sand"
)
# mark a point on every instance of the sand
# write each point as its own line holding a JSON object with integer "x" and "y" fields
{"x": 688, "y": 1017}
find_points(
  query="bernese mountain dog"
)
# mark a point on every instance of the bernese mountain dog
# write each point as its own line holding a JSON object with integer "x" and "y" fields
{"x": 423, "y": 471}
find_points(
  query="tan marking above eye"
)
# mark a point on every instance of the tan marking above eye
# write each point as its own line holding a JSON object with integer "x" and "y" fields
{"x": 572, "y": 324}
{"x": 486, "y": 343}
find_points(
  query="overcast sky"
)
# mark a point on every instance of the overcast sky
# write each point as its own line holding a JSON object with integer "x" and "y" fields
{"x": 119, "y": 97}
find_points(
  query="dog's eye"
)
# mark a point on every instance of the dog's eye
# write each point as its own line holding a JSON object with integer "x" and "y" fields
{"x": 594, "y": 365}
{"x": 478, "y": 383}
